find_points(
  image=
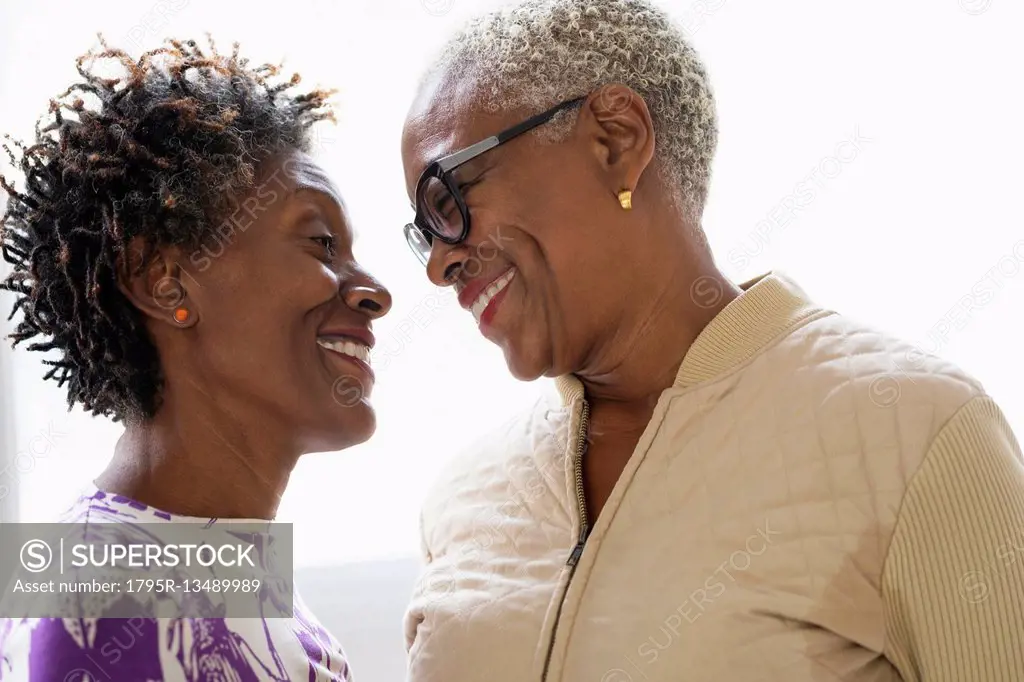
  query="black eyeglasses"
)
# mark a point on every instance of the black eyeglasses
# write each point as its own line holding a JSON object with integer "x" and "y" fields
{"x": 441, "y": 210}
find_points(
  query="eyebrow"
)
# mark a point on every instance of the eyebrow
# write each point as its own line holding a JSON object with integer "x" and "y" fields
{"x": 331, "y": 193}
{"x": 307, "y": 211}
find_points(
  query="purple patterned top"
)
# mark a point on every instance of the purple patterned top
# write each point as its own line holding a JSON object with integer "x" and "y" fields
{"x": 165, "y": 649}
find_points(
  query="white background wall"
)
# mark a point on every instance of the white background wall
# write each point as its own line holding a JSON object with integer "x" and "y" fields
{"x": 923, "y": 213}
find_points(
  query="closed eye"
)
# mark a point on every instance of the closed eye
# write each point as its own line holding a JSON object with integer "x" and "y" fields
{"x": 443, "y": 206}
{"x": 330, "y": 244}
{"x": 447, "y": 202}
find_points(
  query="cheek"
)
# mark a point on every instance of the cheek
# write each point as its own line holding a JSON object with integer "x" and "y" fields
{"x": 565, "y": 292}
{"x": 264, "y": 299}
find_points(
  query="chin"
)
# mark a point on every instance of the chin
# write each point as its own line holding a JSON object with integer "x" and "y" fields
{"x": 351, "y": 426}
{"x": 524, "y": 366}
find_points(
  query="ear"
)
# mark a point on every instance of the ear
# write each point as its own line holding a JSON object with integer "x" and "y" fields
{"x": 622, "y": 133}
{"x": 154, "y": 282}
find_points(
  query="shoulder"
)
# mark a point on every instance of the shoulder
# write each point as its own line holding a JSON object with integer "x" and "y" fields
{"x": 888, "y": 385}
{"x": 837, "y": 390}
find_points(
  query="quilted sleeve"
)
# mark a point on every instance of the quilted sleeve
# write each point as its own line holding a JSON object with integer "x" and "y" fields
{"x": 414, "y": 612}
{"x": 953, "y": 581}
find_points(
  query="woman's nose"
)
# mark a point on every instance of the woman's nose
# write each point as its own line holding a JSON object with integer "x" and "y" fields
{"x": 369, "y": 298}
{"x": 445, "y": 262}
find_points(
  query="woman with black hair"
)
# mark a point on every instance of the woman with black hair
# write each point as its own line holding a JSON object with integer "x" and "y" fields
{"x": 191, "y": 267}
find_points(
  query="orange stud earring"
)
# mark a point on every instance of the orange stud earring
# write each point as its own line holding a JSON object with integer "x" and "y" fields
{"x": 181, "y": 315}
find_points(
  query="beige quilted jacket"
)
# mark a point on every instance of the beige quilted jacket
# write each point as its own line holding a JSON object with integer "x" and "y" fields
{"x": 812, "y": 500}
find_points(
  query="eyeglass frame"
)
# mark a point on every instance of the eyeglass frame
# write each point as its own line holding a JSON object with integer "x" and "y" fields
{"x": 443, "y": 168}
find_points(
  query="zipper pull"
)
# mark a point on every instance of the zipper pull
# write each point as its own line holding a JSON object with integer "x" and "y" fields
{"x": 577, "y": 552}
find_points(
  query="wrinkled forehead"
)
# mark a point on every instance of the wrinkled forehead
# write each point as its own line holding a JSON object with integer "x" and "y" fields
{"x": 447, "y": 115}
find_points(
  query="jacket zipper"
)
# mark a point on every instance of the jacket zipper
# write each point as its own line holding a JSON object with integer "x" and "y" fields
{"x": 581, "y": 509}
{"x": 581, "y": 500}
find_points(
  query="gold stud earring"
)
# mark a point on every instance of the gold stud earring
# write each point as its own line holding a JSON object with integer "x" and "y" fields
{"x": 626, "y": 199}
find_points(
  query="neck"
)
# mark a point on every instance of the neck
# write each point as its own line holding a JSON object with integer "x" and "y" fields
{"x": 631, "y": 369}
{"x": 198, "y": 458}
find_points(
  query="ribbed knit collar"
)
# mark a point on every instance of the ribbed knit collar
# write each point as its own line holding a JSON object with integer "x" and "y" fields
{"x": 769, "y": 305}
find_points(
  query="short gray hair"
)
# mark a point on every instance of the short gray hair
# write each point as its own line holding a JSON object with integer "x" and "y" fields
{"x": 536, "y": 53}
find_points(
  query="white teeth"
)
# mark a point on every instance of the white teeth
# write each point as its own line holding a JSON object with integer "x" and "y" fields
{"x": 351, "y": 348}
{"x": 489, "y": 293}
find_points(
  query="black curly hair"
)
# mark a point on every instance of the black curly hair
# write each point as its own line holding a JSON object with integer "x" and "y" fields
{"x": 158, "y": 156}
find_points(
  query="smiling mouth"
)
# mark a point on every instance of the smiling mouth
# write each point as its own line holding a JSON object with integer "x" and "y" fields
{"x": 487, "y": 295}
{"x": 344, "y": 346}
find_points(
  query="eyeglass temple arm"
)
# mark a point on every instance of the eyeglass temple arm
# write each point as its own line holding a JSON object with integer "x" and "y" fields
{"x": 474, "y": 150}
{"x": 470, "y": 152}
{"x": 535, "y": 121}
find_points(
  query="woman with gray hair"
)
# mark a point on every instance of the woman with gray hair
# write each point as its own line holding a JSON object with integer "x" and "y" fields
{"x": 730, "y": 483}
